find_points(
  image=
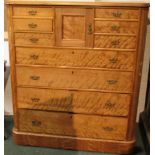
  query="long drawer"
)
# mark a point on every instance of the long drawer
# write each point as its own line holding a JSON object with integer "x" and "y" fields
{"x": 77, "y": 125}
{"x": 76, "y": 58}
{"x": 34, "y": 39}
{"x": 74, "y": 101}
{"x": 74, "y": 78}
{"x": 33, "y": 25}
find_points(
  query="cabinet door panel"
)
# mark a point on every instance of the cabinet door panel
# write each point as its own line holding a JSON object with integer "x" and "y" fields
{"x": 74, "y": 27}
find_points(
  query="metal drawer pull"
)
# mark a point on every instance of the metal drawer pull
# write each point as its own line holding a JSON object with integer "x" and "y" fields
{"x": 34, "y": 40}
{"x": 33, "y": 56}
{"x": 113, "y": 60}
{"x": 115, "y": 27}
{"x": 109, "y": 105}
{"x": 35, "y": 77}
{"x": 90, "y": 29}
{"x": 107, "y": 128}
{"x": 115, "y": 42}
{"x": 32, "y": 25}
{"x": 32, "y": 12}
{"x": 36, "y": 122}
{"x": 35, "y": 99}
{"x": 111, "y": 82}
{"x": 117, "y": 14}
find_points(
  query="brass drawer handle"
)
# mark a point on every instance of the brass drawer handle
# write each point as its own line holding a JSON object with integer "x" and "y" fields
{"x": 34, "y": 40}
{"x": 117, "y": 14}
{"x": 32, "y": 12}
{"x": 90, "y": 29}
{"x": 113, "y": 60}
{"x": 32, "y": 25}
{"x": 107, "y": 128}
{"x": 35, "y": 77}
{"x": 33, "y": 56}
{"x": 35, "y": 99}
{"x": 109, "y": 105}
{"x": 36, "y": 122}
{"x": 111, "y": 82}
{"x": 115, "y": 42}
{"x": 115, "y": 27}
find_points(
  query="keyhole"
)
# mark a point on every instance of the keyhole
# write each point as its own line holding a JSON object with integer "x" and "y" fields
{"x": 72, "y": 52}
{"x": 72, "y": 72}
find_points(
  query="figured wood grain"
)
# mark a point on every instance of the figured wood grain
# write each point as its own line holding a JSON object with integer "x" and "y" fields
{"x": 123, "y": 27}
{"x": 34, "y": 39}
{"x": 74, "y": 101}
{"x": 76, "y": 58}
{"x": 77, "y": 125}
{"x": 75, "y": 79}
{"x": 33, "y": 11}
{"x": 108, "y": 41}
{"x": 33, "y": 25}
{"x": 117, "y": 13}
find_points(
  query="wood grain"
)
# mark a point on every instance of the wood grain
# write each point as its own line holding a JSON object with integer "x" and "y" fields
{"x": 33, "y": 25}
{"x": 74, "y": 101}
{"x": 75, "y": 79}
{"x": 108, "y": 41}
{"x": 76, "y": 58}
{"x": 76, "y": 125}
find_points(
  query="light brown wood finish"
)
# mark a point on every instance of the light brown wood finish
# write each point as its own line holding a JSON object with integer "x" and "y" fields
{"x": 76, "y": 58}
{"x": 75, "y": 79}
{"x": 74, "y": 101}
{"x": 76, "y": 125}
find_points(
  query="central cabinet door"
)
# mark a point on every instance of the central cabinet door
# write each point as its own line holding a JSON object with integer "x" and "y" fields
{"x": 74, "y": 27}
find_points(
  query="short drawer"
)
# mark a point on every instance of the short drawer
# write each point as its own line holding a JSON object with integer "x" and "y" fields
{"x": 116, "y": 27}
{"x": 85, "y": 102}
{"x": 74, "y": 78}
{"x": 35, "y": 39}
{"x": 120, "y": 42}
{"x": 117, "y": 13}
{"x": 33, "y": 25}
{"x": 76, "y": 58}
{"x": 76, "y": 125}
{"x": 33, "y": 11}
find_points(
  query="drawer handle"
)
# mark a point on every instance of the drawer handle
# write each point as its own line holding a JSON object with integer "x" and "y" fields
{"x": 111, "y": 82}
{"x": 35, "y": 99}
{"x": 107, "y": 128}
{"x": 115, "y": 28}
{"x": 32, "y": 12}
{"x": 34, "y": 40}
{"x": 90, "y": 29}
{"x": 32, "y": 25}
{"x": 115, "y": 42}
{"x": 33, "y": 56}
{"x": 36, "y": 122}
{"x": 109, "y": 105}
{"x": 117, "y": 14}
{"x": 113, "y": 60}
{"x": 35, "y": 77}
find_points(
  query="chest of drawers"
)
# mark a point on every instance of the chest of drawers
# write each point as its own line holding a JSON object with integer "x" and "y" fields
{"x": 76, "y": 70}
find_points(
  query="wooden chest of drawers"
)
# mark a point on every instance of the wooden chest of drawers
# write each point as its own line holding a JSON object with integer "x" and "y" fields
{"x": 76, "y": 70}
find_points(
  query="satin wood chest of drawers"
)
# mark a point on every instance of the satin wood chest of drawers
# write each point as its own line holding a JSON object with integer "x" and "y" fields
{"x": 76, "y": 69}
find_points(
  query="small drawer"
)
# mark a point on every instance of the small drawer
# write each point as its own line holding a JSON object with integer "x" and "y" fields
{"x": 120, "y": 42}
{"x": 33, "y": 25}
{"x": 117, "y": 13}
{"x": 75, "y": 79}
{"x": 74, "y": 101}
{"x": 116, "y": 27}
{"x": 33, "y": 11}
{"x": 76, "y": 58}
{"x": 35, "y": 39}
{"x": 76, "y": 125}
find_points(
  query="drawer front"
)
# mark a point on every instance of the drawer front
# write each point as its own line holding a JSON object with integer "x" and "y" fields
{"x": 33, "y": 11}
{"x": 122, "y": 42}
{"x": 35, "y": 39}
{"x": 33, "y": 25}
{"x": 76, "y": 125}
{"x": 76, "y": 58}
{"x": 74, "y": 101}
{"x": 75, "y": 79}
{"x": 117, "y": 13}
{"x": 116, "y": 27}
